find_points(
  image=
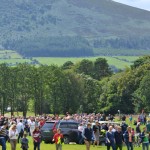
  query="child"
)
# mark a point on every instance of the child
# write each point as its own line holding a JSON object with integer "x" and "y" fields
{"x": 24, "y": 142}
{"x": 133, "y": 135}
{"x": 58, "y": 138}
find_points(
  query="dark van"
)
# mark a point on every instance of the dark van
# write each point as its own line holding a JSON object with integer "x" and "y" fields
{"x": 69, "y": 129}
{"x": 47, "y": 131}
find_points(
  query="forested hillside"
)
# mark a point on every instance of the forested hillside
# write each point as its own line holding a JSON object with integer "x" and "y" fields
{"x": 72, "y": 27}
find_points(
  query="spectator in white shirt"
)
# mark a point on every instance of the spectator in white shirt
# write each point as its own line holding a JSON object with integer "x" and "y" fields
{"x": 20, "y": 128}
{"x": 80, "y": 129}
{"x": 13, "y": 135}
{"x": 32, "y": 126}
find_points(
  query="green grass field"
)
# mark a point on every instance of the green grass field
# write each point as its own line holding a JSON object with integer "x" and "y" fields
{"x": 129, "y": 58}
{"x": 8, "y": 114}
{"x": 65, "y": 147}
{"x": 14, "y": 61}
{"x": 12, "y": 58}
{"x": 118, "y": 63}
{"x": 9, "y": 54}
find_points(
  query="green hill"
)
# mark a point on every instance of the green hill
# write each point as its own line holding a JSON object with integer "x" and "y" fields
{"x": 72, "y": 27}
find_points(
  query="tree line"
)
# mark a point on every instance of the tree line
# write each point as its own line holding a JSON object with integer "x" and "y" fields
{"x": 85, "y": 86}
{"x": 75, "y": 46}
{"x": 137, "y": 43}
{"x": 49, "y": 89}
{"x": 63, "y": 46}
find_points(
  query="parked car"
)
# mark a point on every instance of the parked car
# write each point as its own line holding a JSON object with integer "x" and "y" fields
{"x": 47, "y": 131}
{"x": 69, "y": 129}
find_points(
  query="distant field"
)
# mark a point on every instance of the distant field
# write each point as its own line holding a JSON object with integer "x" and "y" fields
{"x": 9, "y": 54}
{"x": 13, "y": 61}
{"x": 12, "y": 58}
{"x": 117, "y": 61}
{"x": 129, "y": 58}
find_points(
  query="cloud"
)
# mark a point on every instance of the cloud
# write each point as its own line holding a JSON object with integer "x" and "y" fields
{"x": 143, "y": 4}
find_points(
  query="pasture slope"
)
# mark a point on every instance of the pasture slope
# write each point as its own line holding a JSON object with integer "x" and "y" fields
{"x": 119, "y": 62}
{"x": 13, "y": 58}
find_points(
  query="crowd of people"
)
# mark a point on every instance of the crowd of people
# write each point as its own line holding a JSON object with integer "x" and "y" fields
{"x": 118, "y": 135}
{"x": 16, "y": 129}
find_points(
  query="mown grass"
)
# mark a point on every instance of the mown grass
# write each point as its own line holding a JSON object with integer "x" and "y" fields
{"x": 64, "y": 147}
{"x": 52, "y": 146}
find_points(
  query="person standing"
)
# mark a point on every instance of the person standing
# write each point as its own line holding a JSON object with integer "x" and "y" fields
{"x": 3, "y": 135}
{"x": 20, "y": 129}
{"x": 133, "y": 135}
{"x": 87, "y": 134}
{"x": 37, "y": 121}
{"x": 145, "y": 119}
{"x": 128, "y": 138}
{"x": 144, "y": 139}
{"x": 110, "y": 140}
{"x": 138, "y": 132}
{"x": 36, "y": 138}
{"x": 119, "y": 138}
{"x": 96, "y": 129}
{"x": 148, "y": 126}
{"x": 124, "y": 127}
{"x": 58, "y": 138}
{"x": 13, "y": 135}
{"x": 80, "y": 129}
{"x": 130, "y": 119}
{"x": 123, "y": 118}
{"x": 24, "y": 142}
{"x": 28, "y": 121}
{"x": 42, "y": 122}
{"x": 32, "y": 126}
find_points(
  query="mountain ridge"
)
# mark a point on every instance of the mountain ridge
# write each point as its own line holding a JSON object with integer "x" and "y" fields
{"x": 90, "y": 19}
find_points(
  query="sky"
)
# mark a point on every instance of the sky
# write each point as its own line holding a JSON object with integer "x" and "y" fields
{"x": 143, "y": 4}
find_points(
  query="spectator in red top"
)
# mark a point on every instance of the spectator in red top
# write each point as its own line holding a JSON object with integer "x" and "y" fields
{"x": 42, "y": 122}
{"x": 58, "y": 138}
{"x": 36, "y": 138}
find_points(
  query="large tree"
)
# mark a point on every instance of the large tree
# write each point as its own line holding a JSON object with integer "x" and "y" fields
{"x": 101, "y": 69}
